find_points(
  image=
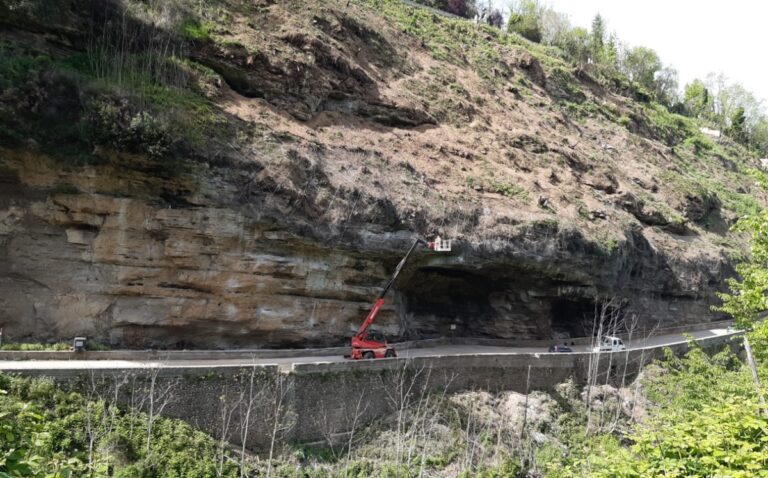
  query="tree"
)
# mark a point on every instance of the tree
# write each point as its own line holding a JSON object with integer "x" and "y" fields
{"x": 737, "y": 130}
{"x": 611, "y": 51}
{"x": 749, "y": 294}
{"x": 525, "y": 20}
{"x": 597, "y": 42}
{"x": 717, "y": 85}
{"x": 554, "y": 26}
{"x": 575, "y": 45}
{"x": 735, "y": 109}
{"x": 697, "y": 100}
{"x": 640, "y": 64}
{"x": 666, "y": 87}
{"x": 462, "y": 8}
{"x": 495, "y": 18}
{"x": 759, "y": 135}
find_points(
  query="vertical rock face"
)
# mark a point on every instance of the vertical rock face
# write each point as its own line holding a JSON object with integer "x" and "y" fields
{"x": 137, "y": 271}
{"x": 134, "y": 272}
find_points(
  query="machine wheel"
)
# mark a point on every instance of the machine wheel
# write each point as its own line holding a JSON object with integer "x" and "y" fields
{"x": 368, "y": 355}
{"x": 389, "y": 353}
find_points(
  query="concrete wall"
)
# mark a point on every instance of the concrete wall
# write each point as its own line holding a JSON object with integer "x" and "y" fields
{"x": 320, "y": 401}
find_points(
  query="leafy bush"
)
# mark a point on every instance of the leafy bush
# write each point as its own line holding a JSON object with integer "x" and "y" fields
{"x": 525, "y": 20}
{"x": 45, "y": 434}
{"x": 669, "y": 127}
{"x": 495, "y": 19}
{"x": 704, "y": 419}
{"x": 724, "y": 438}
{"x": 193, "y": 29}
{"x": 510, "y": 190}
{"x": 625, "y": 121}
{"x": 700, "y": 144}
{"x": 114, "y": 123}
{"x": 508, "y": 469}
{"x": 462, "y": 8}
{"x": 15, "y": 69}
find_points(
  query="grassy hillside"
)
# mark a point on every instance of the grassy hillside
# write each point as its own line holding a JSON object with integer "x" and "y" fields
{"x": 437, "y": 116}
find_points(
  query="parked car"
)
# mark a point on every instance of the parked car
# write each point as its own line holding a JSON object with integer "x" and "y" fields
{"x": 560, "y": 348}
{"x": 610, "y": 344}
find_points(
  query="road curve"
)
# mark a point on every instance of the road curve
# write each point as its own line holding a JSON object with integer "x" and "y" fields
{"x": 437, "y": 351}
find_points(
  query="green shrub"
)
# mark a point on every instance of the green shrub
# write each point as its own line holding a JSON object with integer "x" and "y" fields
{"x": 358, "y": 469}
{"x": 699, "y": 143}
{"x": 44, "y": 429}
{"x": 510, "y": 190}
{"x": 193, "y": 29}
{"x": 703, "y": 419}
{"x": 116, "y": 124}
{"x": 669, "y": 127}
{"x": 625, "y": 121}
{"x": 15, "y": 69}
{"x": 509, "y": 468}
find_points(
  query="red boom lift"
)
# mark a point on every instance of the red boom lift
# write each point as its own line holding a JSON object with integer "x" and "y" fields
{"x": 369, "y": 344}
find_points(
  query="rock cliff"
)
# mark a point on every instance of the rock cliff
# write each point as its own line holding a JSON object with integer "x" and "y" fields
{"x": 249, "y": 174}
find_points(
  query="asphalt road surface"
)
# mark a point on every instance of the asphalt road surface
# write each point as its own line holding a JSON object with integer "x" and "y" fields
{"x": 447, "y": 350}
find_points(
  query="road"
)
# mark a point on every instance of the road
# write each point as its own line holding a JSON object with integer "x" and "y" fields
{"x": 438, "y": 351}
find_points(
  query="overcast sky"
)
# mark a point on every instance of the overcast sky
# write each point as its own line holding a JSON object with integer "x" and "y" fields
{"x": 695, "y": 37}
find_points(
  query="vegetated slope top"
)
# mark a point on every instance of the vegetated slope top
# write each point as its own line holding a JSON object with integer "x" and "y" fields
{"x": 412, "y": 120}
{"x": 436, "y": 113}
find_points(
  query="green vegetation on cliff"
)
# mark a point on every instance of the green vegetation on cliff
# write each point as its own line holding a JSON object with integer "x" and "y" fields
{"x": 127, "y": 86}
{"x": 748, "y": 297}
{"x": 155, "y": 80}
{"x": 636, "y": 70}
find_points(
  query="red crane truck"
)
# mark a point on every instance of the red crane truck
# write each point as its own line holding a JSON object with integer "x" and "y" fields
{"x": 369, "y": 344}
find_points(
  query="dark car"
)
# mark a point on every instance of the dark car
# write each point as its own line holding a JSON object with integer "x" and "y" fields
{"x": 560, "y": 348}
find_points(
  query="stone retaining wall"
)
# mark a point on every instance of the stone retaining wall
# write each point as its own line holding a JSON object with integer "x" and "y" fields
{"x": 321, "y": 401}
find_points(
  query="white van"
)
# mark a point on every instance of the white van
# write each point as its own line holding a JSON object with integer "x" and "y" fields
{"x": 610, "y": 344}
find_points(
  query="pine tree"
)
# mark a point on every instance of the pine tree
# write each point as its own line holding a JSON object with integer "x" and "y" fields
{"x": 597, "y": 43}
{"x": 737, "y": 129}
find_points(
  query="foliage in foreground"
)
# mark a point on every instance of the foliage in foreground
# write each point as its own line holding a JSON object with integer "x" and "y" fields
{"x": 748, "y": 293}
{"x": 704, "y": 420}
{"x": 47, "y": 432}
{"x": 701, "y": 418}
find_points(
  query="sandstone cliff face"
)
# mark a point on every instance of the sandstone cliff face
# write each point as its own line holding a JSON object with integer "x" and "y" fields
{"x": 136, "y": 271}
{"x": 316, "y": 167}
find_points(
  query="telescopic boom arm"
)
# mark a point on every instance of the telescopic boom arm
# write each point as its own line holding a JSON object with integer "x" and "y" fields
{"x": 380, "y": 299}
